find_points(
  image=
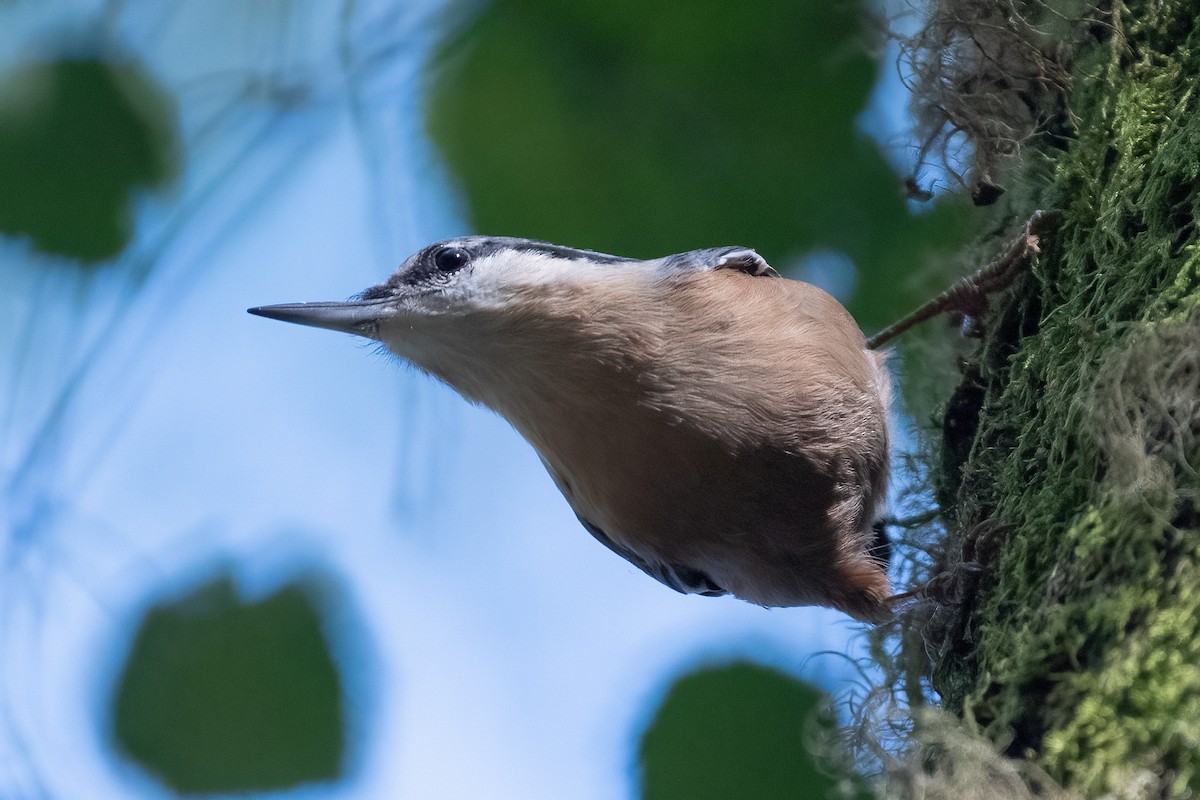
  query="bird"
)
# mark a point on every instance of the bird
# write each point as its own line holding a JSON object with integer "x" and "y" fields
{"x": 724, "y": 429}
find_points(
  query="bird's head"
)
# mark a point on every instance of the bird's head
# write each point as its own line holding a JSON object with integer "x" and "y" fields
{"x": 460, "y": 279}
{"x": 466, "y": 307}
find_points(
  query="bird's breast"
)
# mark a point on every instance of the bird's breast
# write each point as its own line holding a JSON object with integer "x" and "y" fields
{"x": 736, "y": 426}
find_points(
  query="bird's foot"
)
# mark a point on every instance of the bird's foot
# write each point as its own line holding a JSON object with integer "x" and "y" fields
{"x": 968, "y": 296}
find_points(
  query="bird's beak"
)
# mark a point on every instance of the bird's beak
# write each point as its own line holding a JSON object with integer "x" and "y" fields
{"x": 358, "y": 318}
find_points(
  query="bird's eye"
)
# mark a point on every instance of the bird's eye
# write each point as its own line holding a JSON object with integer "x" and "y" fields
{"x": 449, "y": 259}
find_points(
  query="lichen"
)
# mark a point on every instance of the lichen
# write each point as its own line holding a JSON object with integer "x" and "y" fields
{"x": 987, "y": 77}
{"x": 1081, "y": 649}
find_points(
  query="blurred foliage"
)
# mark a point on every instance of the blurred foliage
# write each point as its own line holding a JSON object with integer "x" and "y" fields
{"x": 646, "y": 128}
{"x": 78, "y": 138}
{"x": 741, "y": 731}
{"x": 220, "y": 695}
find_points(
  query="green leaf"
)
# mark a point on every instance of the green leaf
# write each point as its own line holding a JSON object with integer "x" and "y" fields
{"x": 78, "y": 138}
{"x": 221, "y": 695}
{"x": 739, "y": 731}
{"x": 653, "y": 127}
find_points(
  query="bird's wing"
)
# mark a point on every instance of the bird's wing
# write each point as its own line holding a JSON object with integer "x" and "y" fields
{"x": 684, "y": 580}
{"x": 742, "y": 259}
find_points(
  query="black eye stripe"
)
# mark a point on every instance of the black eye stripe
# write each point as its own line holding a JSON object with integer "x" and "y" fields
{"x": 481, "y": 246}
{"x": 377, "y": 292}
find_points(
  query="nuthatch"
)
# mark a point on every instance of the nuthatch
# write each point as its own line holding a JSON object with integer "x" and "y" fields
{"x": 722, "y": 428}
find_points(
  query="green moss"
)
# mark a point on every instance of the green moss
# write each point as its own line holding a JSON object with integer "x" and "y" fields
{"x": 1083, "y": 645}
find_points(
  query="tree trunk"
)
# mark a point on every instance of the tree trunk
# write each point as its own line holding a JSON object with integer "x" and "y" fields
{"x": 1071, "y": 455}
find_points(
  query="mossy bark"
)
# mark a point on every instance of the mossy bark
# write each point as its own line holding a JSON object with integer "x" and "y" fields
{"x": 1073, "y": 444}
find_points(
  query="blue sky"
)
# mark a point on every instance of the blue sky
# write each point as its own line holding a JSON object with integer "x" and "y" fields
{"x": 481, "y": 619}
